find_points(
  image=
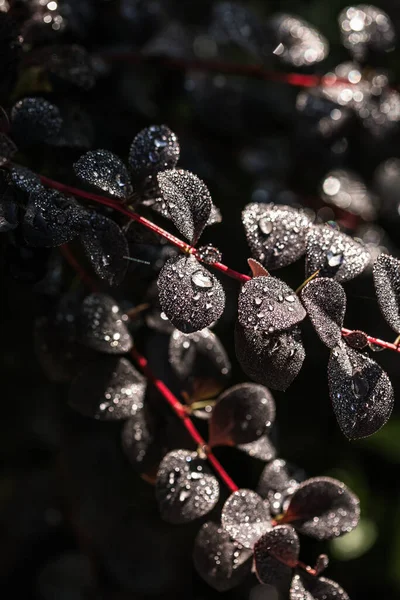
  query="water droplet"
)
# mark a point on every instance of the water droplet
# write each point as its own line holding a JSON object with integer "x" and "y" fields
{"x": 202, "y": 280}
{"x": 334, "y": 259}
{"x": 257, "y": 301}
{"x": 359, "y": 385}
{"x": 290, "y": 298}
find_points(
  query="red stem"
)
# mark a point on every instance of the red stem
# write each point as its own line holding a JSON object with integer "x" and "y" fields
{"x": 178, "y": 408}
{"x": 186, "y": 248}
{"x": 221, "y": 67}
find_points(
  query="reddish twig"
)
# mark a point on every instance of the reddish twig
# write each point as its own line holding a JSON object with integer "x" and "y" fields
{"x": 225, "y": 68}
{"x": 186, "y": 248}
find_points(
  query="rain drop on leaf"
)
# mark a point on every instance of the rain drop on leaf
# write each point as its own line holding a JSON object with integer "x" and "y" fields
{"x": 102, "y": 326}
{"x": 275, "y": 555}
{"x": 325, "y": 302}
{"x": 386, "y": 272}
{"x": 104, "y": 170}
{"x": 246, "y": 517}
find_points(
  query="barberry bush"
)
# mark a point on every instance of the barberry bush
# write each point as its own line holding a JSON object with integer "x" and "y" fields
{"x": 201, "y": 283}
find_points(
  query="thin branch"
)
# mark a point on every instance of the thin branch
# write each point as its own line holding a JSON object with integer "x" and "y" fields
{"x": 186, "y": 248}
{"x": 225, "y": 68}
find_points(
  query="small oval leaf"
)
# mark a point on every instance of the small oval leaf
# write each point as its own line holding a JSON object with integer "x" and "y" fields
{"x": 188, "y": 201}
{"x": 190, "y": 296}
{"x": 185, "y": 488}
{"x": 219, "y": 560}
{"x": 276, "y": 553}
{"x": 104, "y": 170}
{"x": 323, "y": 508}
{"x": 155, "y": 148}
{"x": 276, "y": 234}
{"x": 102, "y": 326}
{"x": 34, "y": 120}
{"x": 334, "y": 254}
{"x": 325, "y": 302}
{"x": 316, "y": 588}
{"x": 361, "y": 392}
{"x": 272, "y": 360}
{"x": 386, "y": 272}
{"x": 246, "y": 517}
{"x": 268, "y": 304}
{"x": 262, "y": 448}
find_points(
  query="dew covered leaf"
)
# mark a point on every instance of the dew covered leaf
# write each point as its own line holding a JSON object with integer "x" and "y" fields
{"x": 222, "y": 562}
{"x": 190, "y": 296}
{"x": 262, "y": 448}
{"x": 102, "y": 326}
{"x": 7, "y": 149}
{"x": 365, "y": 28}
{"x": 276, "y": 554}
{"x": 104, "y": 170}
{"x": 325, "y": 302}
{"x": 139, "y": 443}
{"x": 108, "y": 389}
{"x": 276, "y": 234}
{"x": 51, "y": 219}
{"x": 242, "y": 414}
{"x": 34, "y": 120}
{"x": 298, "y": 43}
{"x": 200, "y": 361}
{"x": 323, "y": 508}
{"x": 185, "y": 488}
{"x": 267, "y": 304}
{"x": 273, "y": 360}
{"x": 154, "y": 149}
{"x": 316, "y": 588}
{"x": 188, "y": 201}
{"x": 245, "y": 517}
{"x": 106, "y": 247}
{"x": 386, "y": 272}
{"x": 334, "y": 254}
{"x": 361, "y": 392}
{"x": 25, "y": 179}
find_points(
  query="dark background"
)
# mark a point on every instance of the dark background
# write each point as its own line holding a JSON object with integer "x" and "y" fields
{"x": 75, "y": 520}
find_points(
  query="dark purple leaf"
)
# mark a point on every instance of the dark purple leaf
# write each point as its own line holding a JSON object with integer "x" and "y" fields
{"x": 361, "y": 393}
{"x": 242, "y": 414}
{"x": 366, "y": 28}
{"x": 313, "y": 588}
{"x": 275, "y": 478}
{"x": 323, "y": 508}
{"x": 386, "y": 273}
{"x": 334, "y": 254}
{"x": 25, "y": 179}
{"x": 106, "y": 247}
{"x": 276, "y": 234}
{"x": 276, "y": 554}
{"x": 102, "y": 326}
{"x": 104, "y": 170}
{"x": 155, "y": 148}
{"x": 51, "y": 219}
{"x": 245, "y": 517}
{"x": 34, "y": 120}
{"x": 272, "y": 360}
{"x": 188, "y": 201}
{"x": 219, "y": 560}
{"x": 267, "y": 304}
{"x": 199, "y": 359}
{"x": 185, "y": 488}
{"x": 108, "y": 389}
{"x": 325, "y": 302}
{"x": 298, "y": 43}
{"x": 190, "y": 296}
